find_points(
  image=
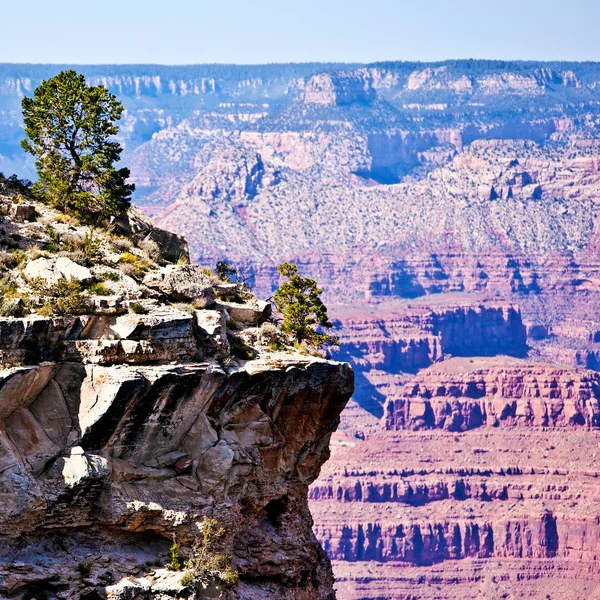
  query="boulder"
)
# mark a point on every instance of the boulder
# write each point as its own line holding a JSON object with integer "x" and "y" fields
{"x": 252, "y": 313}
{"x": 136, "y": 224}
{"x": 22, "y": 212}
{"x": 213, "y": 328}
{"x": 183, "y": 283}
{"x": 52, "y": 269}
{"x": 214, "y": 466}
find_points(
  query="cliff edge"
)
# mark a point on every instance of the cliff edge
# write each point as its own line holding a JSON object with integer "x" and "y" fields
{"x": 138, "y": 396}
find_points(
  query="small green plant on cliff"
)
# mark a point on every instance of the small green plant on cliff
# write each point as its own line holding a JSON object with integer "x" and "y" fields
{"x": 70, "y": 128}
{"x": 138, "y": 308}
{"x": 55, "y": 241}
{"x": 175, "y": 561}
{"x": 99, "y": 289}
{"x": 138, "y": 266}
{"x": 84, "y": 569}
{"x": 239, "y": 348}
{"x": 304, "y": 315}
{"x": 92, "y": 245}
{"x": 61, "y": 298}
{"x": 206, "y": 564}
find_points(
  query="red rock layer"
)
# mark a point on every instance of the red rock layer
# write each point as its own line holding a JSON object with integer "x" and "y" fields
{"x": 434, "y": 514}
{"x": 461, "y": 394}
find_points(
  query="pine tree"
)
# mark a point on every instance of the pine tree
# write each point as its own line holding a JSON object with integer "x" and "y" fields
{"x": 299, "y": 301}
{"x": 70, "y": 128}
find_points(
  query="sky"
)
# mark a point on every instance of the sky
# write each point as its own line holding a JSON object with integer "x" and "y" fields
{"x": 268, "y": 31}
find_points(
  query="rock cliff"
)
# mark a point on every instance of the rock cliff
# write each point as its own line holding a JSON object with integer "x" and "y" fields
{"x": 130, "y": 415}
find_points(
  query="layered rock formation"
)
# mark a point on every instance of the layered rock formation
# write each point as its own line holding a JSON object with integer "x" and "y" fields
{"x": 487, "y": 513}
{"x": 131, "y": 417}
{"x": 462, "y": 394}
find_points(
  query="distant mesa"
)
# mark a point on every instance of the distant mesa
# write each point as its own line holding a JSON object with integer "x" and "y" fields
{"x": 339, "y": 89}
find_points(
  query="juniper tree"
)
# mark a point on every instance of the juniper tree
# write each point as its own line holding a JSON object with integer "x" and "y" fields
{"x": 299, "y": 301}
{"x": 70, "y": 128}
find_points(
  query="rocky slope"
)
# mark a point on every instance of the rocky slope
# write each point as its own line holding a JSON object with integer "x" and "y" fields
{"x": 131, "y": 413}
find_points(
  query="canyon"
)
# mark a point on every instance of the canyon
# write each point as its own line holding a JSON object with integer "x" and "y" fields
{"x": 450, "y": 213}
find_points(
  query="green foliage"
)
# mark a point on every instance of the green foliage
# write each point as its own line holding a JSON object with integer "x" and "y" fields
{"x": 99, "y": 289}
{"x": 110, "y": 276}
{"x": 92, "y": 245}
{"x": 205, "y": 563}
{"x": 225, "y": 272}
{"x": 19, "y": 257}
{"x": 70, "y": 127}
{"x": 84, "y": 569}
{"x": 61, "y": 298}
{"x": 239, "y": 348}
{"x": 12, "y": 307}
{"x": 55, "y": 240}
{"x": 138, "y": 266}
{"x": 138, "y": 308}
{"x": 299, "y": 301}
{"x": 175, "y": 561}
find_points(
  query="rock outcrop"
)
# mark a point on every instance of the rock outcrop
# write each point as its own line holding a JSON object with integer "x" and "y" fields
{"x": 127, "y": 419}
{"x": 339, "y": 89}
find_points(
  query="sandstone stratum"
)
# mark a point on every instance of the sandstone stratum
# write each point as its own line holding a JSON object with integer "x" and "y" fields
{"x": 137, "y": 396}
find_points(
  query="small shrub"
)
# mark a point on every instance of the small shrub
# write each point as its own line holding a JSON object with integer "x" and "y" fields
{"x": 183, "y": 260}
{"x": 8, "y": 285}
{"x": 19, "y": 257}
{"x": 12, "y": 307}
{"x": 99, "y": 289}
{"x": 138, "y": 308}
{"x": 65, "y": 219}
{"x": 150, "y": 249}
{"x": 175, "y": 561}
{"x": 122, "y": 244}
{"x": 272, "y": 337}
{"x": 92, "y": 245}
{"x": 138, "y": 265}
{"x": 78, "y": 257}
{"x": 205, "y": 563}
{"x": 110, "y": 276}
{"x": 7, "y": 260}
{"x": 239, "y": 348}
{"x": 127, "y": 270}
{"x": 62, "y": 298}
{"x": 34, "y": 252}
{"x": 55, "y": 241}
{"x": 187, "y": 579}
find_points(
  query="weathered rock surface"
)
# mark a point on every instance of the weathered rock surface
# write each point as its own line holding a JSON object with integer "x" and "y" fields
{"x": 126, "y": 419}
{"x": 142, "y": 452}
{"x": 52, "y": 270}
{"x": 184, "y": 283}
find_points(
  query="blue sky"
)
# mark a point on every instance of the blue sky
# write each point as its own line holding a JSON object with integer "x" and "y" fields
{"x": 260, "y": 31}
